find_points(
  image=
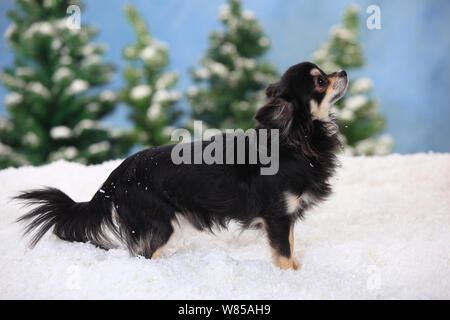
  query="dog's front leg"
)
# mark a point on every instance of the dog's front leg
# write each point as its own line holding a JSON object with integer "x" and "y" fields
{"x": 280, "y": 232}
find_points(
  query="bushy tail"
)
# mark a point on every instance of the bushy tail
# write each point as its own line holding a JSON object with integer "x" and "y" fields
{"x": 71, "y": 221}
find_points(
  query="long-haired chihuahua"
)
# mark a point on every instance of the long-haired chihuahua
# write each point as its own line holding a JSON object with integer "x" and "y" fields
{"x": 142, "y": 198}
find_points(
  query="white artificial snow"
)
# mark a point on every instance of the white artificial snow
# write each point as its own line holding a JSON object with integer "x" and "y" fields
{"x": 10, "y": 30}
{"x": 166, "y": 80}
{"x": 217, "y": 68}
{"x": 69, "y": 152}
{"x": 355, "y": 102}
{"x": 13, "y": 98}
{"x": 345, "y": 114}
{"x": 77, "y": 86}
{"x": 384, "y": 233}
{"x": 60, "y": 132}
{"x": 129, "y": 52}
{"x": 141, "y": 91}
{"x": 192, "y": 91}
{"x": 264, "y": 41}
{"x": 154, "y": 111}
{"x": 85, "y": 124}
{"x": 228, "y": 48}
{"x": 148, "y": 53}
{"x": 39, "y": 89}
{"x": 24, "y": 72}
{"x": 56, "y": 44}
{"x": 5, "y": 124}
{"x": 65, "y": 60}
{"x": 42, "y": 27}
{"x": 107, "y": 95}
{"x": 202, "y": 73}
{"x": 6, "y": 152}
{"x": 248, "y": 15}
{"x": 92, "y": 59}
{"x": 61, "y": 73}
{"x": 343, "y": 33}
{"x": 31, "y": 139}
{"x": 99, "y": 147}
{"x": 88, "y": 49}
{"x": 162, "y": 96}
{"x": 362, "y": 85}
{"x": 224, "y": 12}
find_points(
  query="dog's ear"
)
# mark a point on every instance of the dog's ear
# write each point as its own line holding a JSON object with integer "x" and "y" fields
{"x": 277, "y": 113}
{"x": 272, "y": 90}
{"x": 295, "y": 129}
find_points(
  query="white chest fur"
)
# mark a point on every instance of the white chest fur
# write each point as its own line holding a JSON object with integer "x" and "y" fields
{"x": 295, "y": 202}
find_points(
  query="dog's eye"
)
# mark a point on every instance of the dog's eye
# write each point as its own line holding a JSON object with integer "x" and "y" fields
{"x": 320, "y": 81}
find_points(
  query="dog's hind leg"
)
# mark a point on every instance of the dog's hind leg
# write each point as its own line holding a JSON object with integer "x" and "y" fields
{"x": 281, "y": 238}
{"x": 151, "y": 241}
{"x": 145, "y": 223}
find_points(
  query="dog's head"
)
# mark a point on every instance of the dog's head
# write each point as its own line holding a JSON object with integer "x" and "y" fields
{"x": 304, "y": 87}
{"x": 304, "y": 94}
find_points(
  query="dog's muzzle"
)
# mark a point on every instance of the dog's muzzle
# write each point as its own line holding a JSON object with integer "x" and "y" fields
{"x": 340, "y": 85}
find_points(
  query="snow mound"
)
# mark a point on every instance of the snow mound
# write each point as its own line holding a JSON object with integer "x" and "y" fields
{"x": 383, "y": 234}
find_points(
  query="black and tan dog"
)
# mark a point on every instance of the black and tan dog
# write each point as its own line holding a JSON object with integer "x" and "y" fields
{"x": 139, "y": 202}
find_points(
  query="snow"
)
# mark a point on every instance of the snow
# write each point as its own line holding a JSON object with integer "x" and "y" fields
{"x": 60, "y": 132}
{"x": 10, "y": 30}
{"x": 383, "y": 234}
{"x": 355, "y": 102}
{"x": 154, "y": 111}
{"x": 77, "y": 86}
{"x": 107, "y": 95}
{"x": 13, "y": 98}
{"x": 99, "y": 147}
{"x": 140, "y": 92}
{"x": 61, "y": 73}
{"x": 362, "y": 85}
{"x": 39, "y": 89}
{"x": 43, "y": 28}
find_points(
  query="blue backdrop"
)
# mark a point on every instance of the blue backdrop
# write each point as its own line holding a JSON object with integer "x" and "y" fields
{"x": 407, "y": 58}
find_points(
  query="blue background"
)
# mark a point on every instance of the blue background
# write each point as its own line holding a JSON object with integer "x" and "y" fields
{"x": 408, "y": 59}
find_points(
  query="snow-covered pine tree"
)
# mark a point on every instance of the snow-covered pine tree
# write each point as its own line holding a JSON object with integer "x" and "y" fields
{"x": 149, "y": 87}
{"x": 359, "y": 120}
{"x": 230, "y": 81}
{"x": 55, "y": 102}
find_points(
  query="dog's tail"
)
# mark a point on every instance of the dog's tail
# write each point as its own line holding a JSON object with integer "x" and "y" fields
{"x": 71, "y": 221}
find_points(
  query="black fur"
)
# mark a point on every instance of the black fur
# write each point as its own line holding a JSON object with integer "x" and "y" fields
{"x": 147, "y": 191}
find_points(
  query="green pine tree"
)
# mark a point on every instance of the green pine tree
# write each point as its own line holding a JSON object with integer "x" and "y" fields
{"x": 56, "y": 100}
{"x": 149, "y": 88}
{"x": 232, "y": 76}
{"x": 359, "y": 121}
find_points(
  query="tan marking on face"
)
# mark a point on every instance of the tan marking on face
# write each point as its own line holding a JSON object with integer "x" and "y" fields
{"x": 321, "y": 112}
{"x": 315, "y": 72}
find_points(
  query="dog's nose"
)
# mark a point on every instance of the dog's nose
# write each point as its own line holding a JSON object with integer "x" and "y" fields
{"x": 342, "y": 73}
